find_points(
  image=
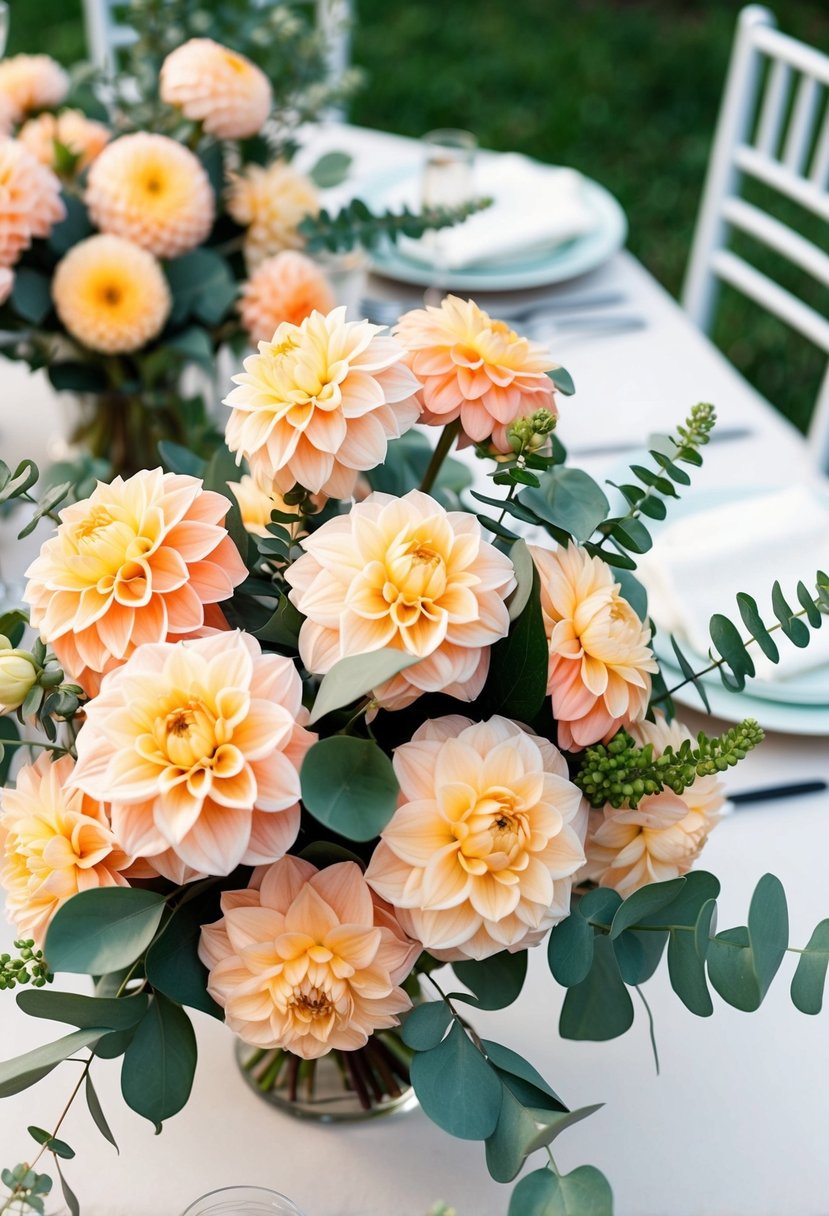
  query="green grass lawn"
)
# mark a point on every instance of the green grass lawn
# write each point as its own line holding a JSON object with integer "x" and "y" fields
{"x": 625, "y": 91}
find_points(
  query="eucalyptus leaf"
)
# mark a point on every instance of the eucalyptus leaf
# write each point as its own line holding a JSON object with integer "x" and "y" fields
{"x": 349, "y": 785}
{"x": 600, "y": 1007}
{"x": 103, "y": 929}
{"x": 355, "y": 676}
{"x": 173, "y": 965}
{"x": 570, "y": 949}
{"x": 516, "y": 685}
{"x": 283, "y": 626}
{"x": 330, "y": 170}
{"x": 584, "y": 1192}
{"x": 743, "y": 961}
{"x": 22, "y": 1071}
{"x": 810, "y": 976}
{"x": 457, "y": 1088}
{"x": 426, "y": 1024}
{"x": 524, "y": 1082}
{"x": 522, "y": 563}
{"x": 159, "y": 1064}
{"x": 97, "y": 1113}
{"x": 495, "y": 982}
{"x": 179, "y": 459}
{"x": 569, "y": 499}
{"x": 645, "y": 902}
{"x": 639, "y": 954}
{"x": 83, "y": 1011}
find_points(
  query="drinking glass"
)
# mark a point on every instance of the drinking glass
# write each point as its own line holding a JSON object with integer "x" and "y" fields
{"x": 242, "y": 1201}
{"x": 449, "y": 161}
{"x": 4, "y": 27}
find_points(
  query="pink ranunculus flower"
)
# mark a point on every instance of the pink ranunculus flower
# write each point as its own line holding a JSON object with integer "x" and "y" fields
{"x": 664, "y": 835}
{"x": 306, "y": 960}
{"x": 318, "y": 404}
{"x": 137, "y": 561}
{"x": 406, "y": 574}
{"x": 480, "y": 854}
{"x": 54, "y": 842}
{"x": 475, "y": 368}
{"x": 600, "y": 666}
{"x": 198, "y": 744}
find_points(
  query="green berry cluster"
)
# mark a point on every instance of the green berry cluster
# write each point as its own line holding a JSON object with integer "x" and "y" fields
{"x": 530, "y": 433}
{"x": 29, "y": 967}
{"x": 698, "y": 426}
{"x": 622, "y": 773}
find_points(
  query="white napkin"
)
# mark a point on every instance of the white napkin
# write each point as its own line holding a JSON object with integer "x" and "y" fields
{"x": 535, "y": 208}
{"x": 699, "y": 563}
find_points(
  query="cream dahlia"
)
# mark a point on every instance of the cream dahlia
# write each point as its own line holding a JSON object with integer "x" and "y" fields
{"x": 664, "y": 836}
{"x": 54, "y": 842}
{"x": 270, "y": 202}
{"x": 30, "y": 202}
{"x": 153, "y": 191}
{"x": 32, "y": 82}
{"x": 110, "y": 294}
{"x": 305, "y": 960}
{"x": 135, "y": 562}
{"x": 404, "y": 574}
{"x": 480, "y": 854}
{"x": 474, "y": 368}
{"x": 319, "y": 403}
{"x": 198, "y": 745}
{"x": 82, "y": 136}
{"x": 600, "y": 666}
{"x": 287, "y": 287}
{"x": 221, "y": 89}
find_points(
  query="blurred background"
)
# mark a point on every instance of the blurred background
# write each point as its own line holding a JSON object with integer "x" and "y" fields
{"x": 625, "y": 91}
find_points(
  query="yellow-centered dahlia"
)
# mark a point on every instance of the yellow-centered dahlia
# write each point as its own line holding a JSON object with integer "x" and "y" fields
{"x": 287, "y": 287}
{"x": 480, "y": 854}
{"x": 304, "y": 959}
{"x": 30, "y": 202}
{"x": 32, "y": 82}
{"x": 221, "y": 89}
{"x": 475, "y": 369}
{"x": 270, "y": 202}
{"x": 54, "y": 842}
{"x": 135, "y": 562}
{"x": 111, "y": 295}
{"x": 153, "y": 191}
{"x": 404, "y": 574}
{"x": 666, "y": 833}
{"x": 82, "y": 136}
{"x": 319, "y": 403}
{"x": 198, "y": 746}
{"x": 600, "y": 665}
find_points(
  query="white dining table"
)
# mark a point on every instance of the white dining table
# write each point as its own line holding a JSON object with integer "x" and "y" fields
{"x": 734, "y": 1124}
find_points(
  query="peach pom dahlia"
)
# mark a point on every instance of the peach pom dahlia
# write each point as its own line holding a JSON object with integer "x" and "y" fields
{"x": 153, "y": 191}
{"x": 286, "y": 287}
{"x": 137, "y": 560}
{"x": 664, "y": 835}
{"x": 480, "y": 854}
{"x": 305, "y": 960}
{"x": 221, "y": 89}
{"x": 110, "y": 294}
{"x": 30, "y": 202}
{"x": 319, "y": 403}
{"x": 54, "y": 842}
{"x": 32, "y": 82}
{"x": 475, "y": 369}
{"x": 198, "y": 745}
{"x": 403, "y": 573}
{"x": 270, "y": 202}
{"x": 599, "y": 675}
{"x": 82, "y": 136}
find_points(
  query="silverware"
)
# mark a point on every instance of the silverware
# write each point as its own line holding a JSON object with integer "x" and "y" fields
{"x": 771, "y": 793}
{"x": 387, "y": 312}
{"x": 723, "y": 434}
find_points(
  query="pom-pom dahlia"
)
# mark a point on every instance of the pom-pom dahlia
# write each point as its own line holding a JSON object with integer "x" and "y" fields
{"x": 32, "y": 82}
{"x": 110, "y": 294}
{"x": 221, "y": 89}
{"x": 153, "y": 191}
{"x": 135, "y": 562}
{"x": 82, "y": 136}
{"x": 600, "y": 665}
{"x": 270, "y": 202}
{"x": 30, "y": 202}
{"x": 480, "y": 854}
{"x": 319, "y": 403}
{"x": 304, "y": 959}
{"x": 54, "y": 842}
{"x": 664, "y": 835}
{"x": 287, "y": 287}
{"x": 403, "y": 573}
{"x": 475, "y": 369}
{"x": 198, "y": 745}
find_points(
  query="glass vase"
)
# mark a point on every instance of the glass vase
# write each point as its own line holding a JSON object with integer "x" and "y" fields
{"x": 242, "y": 1201}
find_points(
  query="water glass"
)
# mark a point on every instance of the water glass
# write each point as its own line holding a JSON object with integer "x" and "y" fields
{"x": 242, "y": 1201}
{"x": 449, "y": 162}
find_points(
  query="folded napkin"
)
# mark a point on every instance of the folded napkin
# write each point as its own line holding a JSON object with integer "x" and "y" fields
{"x": 534, "y": 209}
{"x": 699, "y": 563}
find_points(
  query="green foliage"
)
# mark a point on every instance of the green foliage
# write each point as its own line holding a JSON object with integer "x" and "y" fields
{"x": 569, "y": 501}
{"x": 456, "y": 1087}
{"x": 26, "y": 1189}
{"x": 810, "y": 976}
{"x": 349, "y": 785}
{"x": 742, "y": 962}
{"x": 96, "y": 1111}
{"x": 103, "y": 929}
{"x": 51, "y": 1143}
{"x": 598, "y": 1007}
{"x": 173, "y": 965}
{"x": 160, "y": 1062}
{"x": 516, "y": 685}
{"x": 584, "y": 1192}
{"x": 22, "y": 1071}
{"x": 84, "y": 1011}
{"x": 356, "y": 224}
{"x": 494, "y": 982}
{"x": 426, "y": 1025}
{"x": 202, "y": 286}
{"x": 29, "y": 967}
{"x": 330, "y": 170}
{"x": 355, "y": 676}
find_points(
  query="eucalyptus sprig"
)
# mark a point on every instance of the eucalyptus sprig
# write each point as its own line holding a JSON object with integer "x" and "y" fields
{"x": 356, "y": 224}
{"x": 27, "y": 967}
{"x": 622, "y": 773}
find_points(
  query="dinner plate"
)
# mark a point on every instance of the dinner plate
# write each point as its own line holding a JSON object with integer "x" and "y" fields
{"x": 536, "y": 269}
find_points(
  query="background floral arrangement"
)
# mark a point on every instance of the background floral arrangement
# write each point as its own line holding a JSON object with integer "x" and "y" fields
{"x": 321, "y": 726}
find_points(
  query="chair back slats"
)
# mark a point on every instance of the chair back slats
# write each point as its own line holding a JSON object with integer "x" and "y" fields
{"x": 819, "y": 172}
{"x": 779, "y": 237}
{"x": 774, "y": 107}
{"x": 802, "y": 126}
{"x": 733, "y": 269}
{"x": 769, "y": 41}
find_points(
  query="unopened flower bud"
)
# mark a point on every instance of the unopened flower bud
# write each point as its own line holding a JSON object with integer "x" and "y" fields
{"x": 18, "y": 672}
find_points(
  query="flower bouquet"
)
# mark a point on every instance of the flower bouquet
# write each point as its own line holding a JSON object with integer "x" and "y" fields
{"x": 326, "y": 758}
{"x": 149, "y": 222}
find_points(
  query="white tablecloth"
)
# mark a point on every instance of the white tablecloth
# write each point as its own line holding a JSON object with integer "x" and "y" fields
{"x": 735, "y": 1123}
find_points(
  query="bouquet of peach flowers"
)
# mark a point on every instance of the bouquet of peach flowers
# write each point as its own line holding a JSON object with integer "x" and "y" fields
{"x": 331, "y": 741}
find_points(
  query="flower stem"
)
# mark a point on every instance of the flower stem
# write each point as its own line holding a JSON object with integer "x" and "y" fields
{"x": 444, "y": 445}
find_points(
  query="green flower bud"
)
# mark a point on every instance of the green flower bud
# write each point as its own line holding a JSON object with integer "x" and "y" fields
{"x": 18, "y": 673}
